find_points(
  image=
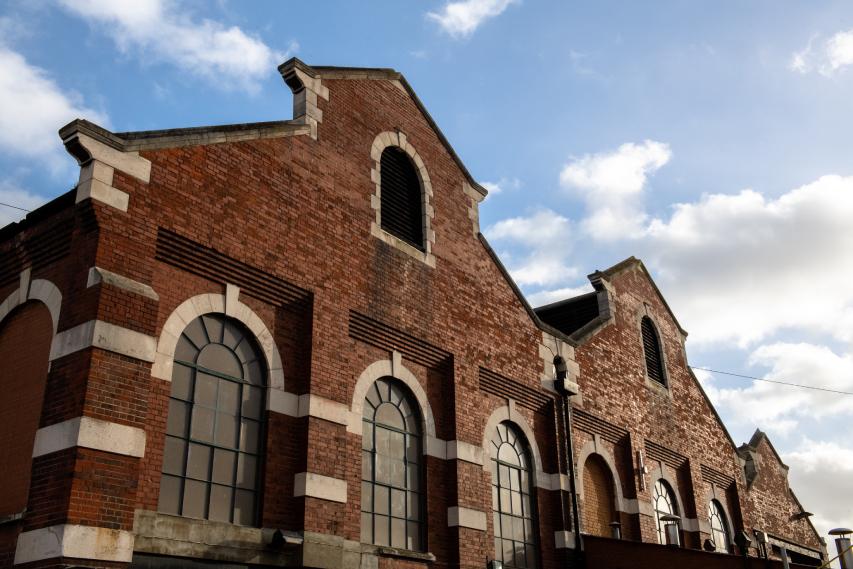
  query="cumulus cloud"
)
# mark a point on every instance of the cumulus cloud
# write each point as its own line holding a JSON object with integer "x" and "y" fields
{"x": 495, "y": 188}
{"x": 33, "y": 107}
{"x": 780, "y": 408}
{"x": 544, "y": 297}
{"x": 612, "y": 183}
{"x": 830, "y": 57}
{"x": 161, "y": 30}
{"x": 545, "y": 238}
{"x": 740, "y": 267}
{"x": 12, "y": 195}
{"x": 461, "y": 19}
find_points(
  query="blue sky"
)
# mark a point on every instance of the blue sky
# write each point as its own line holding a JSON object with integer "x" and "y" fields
{"x": 711, "y": 139}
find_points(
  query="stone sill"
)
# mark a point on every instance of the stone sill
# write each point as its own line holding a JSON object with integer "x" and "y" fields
{"x": 385, "y": 551}
{"x": 12, "y": 518}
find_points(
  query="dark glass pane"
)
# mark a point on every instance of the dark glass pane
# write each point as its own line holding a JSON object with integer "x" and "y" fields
{"x": 253, "y": 398}
{"x": 381, "y": 528}
{"x": 196, "y": 333}
{"x": 366, "y": 466}
{"x": 519, "y": 555}
{"x": 174, "y": 454}
{"x": 366, "y": 436}
{"x": 223, "y": 466}
{"x": 398, "y": 503}
{"x": 366, "y": 497}
{"x": 381, "y": 500}
{"x": 253, "y": 373}
{"x": 390, "y": 471}
{"x": 413, "y": 479}
{"x": 366, "y": 528}
{"x": 213, "y": 326}
{"x": 413, "y": 506}
{"x": 195, "y": 499}
{"x": 185, "y": 351}
{"x": 231, "y": 334}
{"x": 373, "y": 398}
{"x": 182, "y": 382}
{"x": 398, "y": 533}
{"x": 413, "y": 536}
{"x": 205, "y": 389}
{"x": 229, "y": 397}
{"x": 226, "y": 430}
{"x": 528, "y": 529}
{"x": 518, "y": 529}
{"x": 413, "y": 448}
{"x": 250, "y": 436}
{"x": 220, "y": 359}
{"x": 496, "y": 522}
{"x": 531, "y": 556}
{"x": 220, "y": 503}
{"x": 247, "y": 471}
{"x": 244, "y": 508}
{"x": 202, "y": 425}
{"x": 170, "y": 495}
{"x": 177, "y": 422}
{"x": 246, "y": 351}
{"x": 389, "y": 415}
{"x": 198, "y": 463}
{"x": 509, "y": 551}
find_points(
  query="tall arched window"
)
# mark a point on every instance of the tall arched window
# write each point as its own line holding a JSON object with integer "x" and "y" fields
{"x": 598, "y": 500}
{"x": 719, "y": 527}
{"x": 652, "y": 350}
{"x": 512, "y": 505}
{"x": 392, "y": 486}
{"x": 664, "y": 502}
{"x": 401, "y": 199}
{"x": 211, "y": 461}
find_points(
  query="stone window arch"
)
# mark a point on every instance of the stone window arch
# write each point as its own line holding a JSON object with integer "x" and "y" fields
{"x": 215, "y": 424}
{"x": 720, "y": 528}
{"x": 664, "y": 503}
{"x": 515, "y": 522}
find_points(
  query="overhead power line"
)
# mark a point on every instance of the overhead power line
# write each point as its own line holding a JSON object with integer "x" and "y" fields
{"x": 776, "y": 381}
{"x": 14, "y": 207}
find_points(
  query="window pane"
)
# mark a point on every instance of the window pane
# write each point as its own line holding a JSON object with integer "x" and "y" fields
{"x": 518, "y": 529}
{"x": 413, "y": 448}
{"x": 220, "y": 503}
{"x": 519, "y": 554}
{"x": 252, "y": 401}
{"x": 381, "y": 500}
{"x": 205, "y": 389}
{"x": 252, "y": 372}
{"x": 515, "y": 480}
{"x": 226, "y": 430}
{"x": 247, "y": 471}
{"x": 223, "y": 466}
{"x": 388, "y": 414}
{"x": 505, "y": 501}
{"x": 509, "y": 551}
{"x": 245, "y": 352}
{"x": 249, "y": 436}
{"x": 413, "y": 479}
{"x": 366, "y": 528}
{"x": 413, "y": 536}
{"x": 398, "y": 503}
{"x": 177, "y": 421}
{"x": 229, "y": 395}
{"x": 198, "y": 463}
{"x": 498, "y": 549}
{"x": 182, "y": 382}
{"x": 413, "y": 505}
{"x": 395, "y": 447}
{"x": 231, "y": 335}
{"x": 195, "y": 498}
{"x": 495, "y": 504}
{"x": 170, "y": 495}
{"x": 218, "y": 358}
{"x": 366, "y": 466}
{"x": 213, "y": 326}
{"x": 531, "y": 556}
{"x": 185, "y": 351}
{"x": 244, "y": 508}
{"x": 496, "y": 522}
{"x": 381, "y": 528}
{"x": 174, "y": 454}
{"x": 398, "y": 533}
{"x": 202, "y": 425}
{"x": 367, "y": 436}
{"x": 366, "y": 497}
{"x": 195, "y": 332}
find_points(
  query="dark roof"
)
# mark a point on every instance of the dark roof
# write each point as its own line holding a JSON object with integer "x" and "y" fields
{"x": 572, "y": 314}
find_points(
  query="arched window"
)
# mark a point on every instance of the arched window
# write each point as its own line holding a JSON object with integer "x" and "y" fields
{"x": 719, "y": 527}
{"x": 664, "y": 502}
{"x": 512, "y": 505}
{"x": 211, "y": 461}
{"x": 392, "y": 486}
{"x": 400, "y": 197}
{"x": 598, "y": 501}
{"x": 652, "y": 350}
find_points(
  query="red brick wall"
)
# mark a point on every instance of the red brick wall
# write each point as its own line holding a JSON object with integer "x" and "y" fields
{"x": 598, "y": 512}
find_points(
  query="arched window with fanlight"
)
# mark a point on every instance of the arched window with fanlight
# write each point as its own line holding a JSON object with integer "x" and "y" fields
{"x": 663, "y": 499}
{"x": 214, "y": 431}
{"x": 513, "y": 504}
{"x": 401, "y": 197}
{"x": 391, "y": 468}
{"x": 719, "y": 527}
{"x": 652, "y": 351}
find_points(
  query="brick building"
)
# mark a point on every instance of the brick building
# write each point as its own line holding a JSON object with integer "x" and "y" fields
{"x": 288, "y": 344}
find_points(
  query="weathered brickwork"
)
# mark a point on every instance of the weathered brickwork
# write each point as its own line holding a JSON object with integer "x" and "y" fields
{"x": 274, "y": 231}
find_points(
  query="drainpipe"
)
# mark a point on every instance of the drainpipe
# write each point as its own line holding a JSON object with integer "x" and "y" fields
{"x": 566, "y": 389}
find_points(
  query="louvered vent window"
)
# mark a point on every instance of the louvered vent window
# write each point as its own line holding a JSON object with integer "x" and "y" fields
{"x": 651, "y": 346}
{"x": 401, "y": 200}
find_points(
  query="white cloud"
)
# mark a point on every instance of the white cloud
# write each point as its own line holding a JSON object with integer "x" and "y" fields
{"x": 11, "y": 194}
{"x": 739, "y": 267}
{"x": 159, "y": 29}
{"x": 781, "y": 409}
{"x": 544, "y": 297}
{"x": 495, "y": 188}
{"x": 33, "y": 108}
{"x": 460, "y": 19}
{"x": 833, "y": 55}
{"x": 545, "y": 237}
{"x": 612, "y": 183}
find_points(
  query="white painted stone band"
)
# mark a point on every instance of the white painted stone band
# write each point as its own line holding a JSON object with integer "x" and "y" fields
{"x": 99, "y": 275}
{"x": 91, "y": 433}
{"x": 319, "y": 486}
{"x": 37, "y": 289}
{"x": 564, "y": 539}
{"x": 458, "y": 516}
{"x": 76, "y": 541}
{"x": 100, "y": 334}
